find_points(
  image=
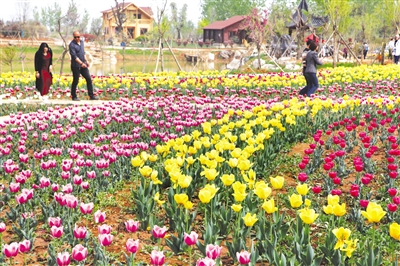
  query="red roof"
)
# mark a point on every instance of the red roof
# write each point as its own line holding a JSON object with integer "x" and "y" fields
{"x": 146, "y": 9}
{"x": 219, "y": 25}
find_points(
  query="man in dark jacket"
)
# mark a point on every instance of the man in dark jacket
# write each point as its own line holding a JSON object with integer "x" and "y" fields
{"x": 79, "y": 66}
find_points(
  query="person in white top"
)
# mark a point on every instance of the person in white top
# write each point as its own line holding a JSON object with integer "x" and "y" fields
{"x": 390, "y": 48}
{"x": 396, "y": 50}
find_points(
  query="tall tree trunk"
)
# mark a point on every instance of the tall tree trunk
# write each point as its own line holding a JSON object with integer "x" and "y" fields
{"x": 335, "y": 49}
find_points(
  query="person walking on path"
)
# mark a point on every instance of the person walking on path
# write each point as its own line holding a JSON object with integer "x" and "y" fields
{"x": 365, "y": 50}
{"x": 43, "y": 68}
{"x": 396, "y": 49}
{"x": 79, "y": 66}
{"x": 390, "y": 48}
{"x": 312, "y": 61}
{"x": 304, "y": 90}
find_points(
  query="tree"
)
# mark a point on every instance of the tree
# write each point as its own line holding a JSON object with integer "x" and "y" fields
{"x": 162, "y": 28}
{"x": 119, "y": 16}
{"x": 280, "y": 13}
{"x": 256, "y": 25}
{"x": 23, "y": 10}
{"x": 96, "y": 26}
{"x": 219, "y": 9}
{"x": 178, "y": 19}
{"x": 7, "y": 56}
{"x": 48, "y": 16}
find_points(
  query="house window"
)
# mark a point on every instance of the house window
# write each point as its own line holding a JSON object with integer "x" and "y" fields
{"x": 143, "y": 31}
{"x": 105, "y": 30}
{"x": 139, "y": 16}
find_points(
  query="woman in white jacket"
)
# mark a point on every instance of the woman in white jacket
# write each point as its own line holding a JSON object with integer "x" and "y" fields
{"x": 396, "y": 50}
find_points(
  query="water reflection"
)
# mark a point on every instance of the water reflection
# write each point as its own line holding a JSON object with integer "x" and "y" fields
{"x": 107, "y": 67}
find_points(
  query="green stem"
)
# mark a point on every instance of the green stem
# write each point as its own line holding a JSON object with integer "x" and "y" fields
{"x": 190, "y": 255}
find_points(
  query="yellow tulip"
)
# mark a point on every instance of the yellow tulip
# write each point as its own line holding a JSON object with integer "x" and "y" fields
{"x": 233, "y": 162}
{"x": 394, "y": 231}
{"x": 239, "y": 187}
{"x": 190, "y": 160}
{"x": 333, "y": 199}
{"x": 181, "y": 198}
{"x": 351, "y": 245}
{"x": 136, "y": 161}
{"x": 210, "y": 174}
{"x": 339, "y": 209}
{"x": 374, "y": 213}
{"x": 295, "y": 200}
{"x": 328, "y": 209}
{"x": 213, "y": 190}
{"x": 239, "y": 196}
{"x": 269, "y": 206}
{"x": 227, "y": 180}
{"x": 144, "y": 155}
{"x": 153, "y": 158}
{"x": 307, "y": 202}
{"x": 277, "y": 182}
{"x": 205, "y": 195}
{"x": 206, "y": 127}
{"x": 307, "y": 215}
{"x": 236, "y": 207}
{"x": 145, "y": 171}
{"x": 157, "y": 199}
{"x": 302, "y": 189}
{"x": 188, "y": 205}
{"x": 244, "y": 164}
{"x": 341, "y": 234}
{"x": 184, "y": 181}
{"x": 262, "y": 190}
{"x": 249, "y": 219}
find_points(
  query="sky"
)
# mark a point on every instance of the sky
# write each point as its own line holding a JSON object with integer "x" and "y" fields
{"x": 9, "y": 8}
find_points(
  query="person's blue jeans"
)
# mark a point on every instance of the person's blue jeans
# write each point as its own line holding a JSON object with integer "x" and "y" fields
{"x": 313, "y": 83}
{"x": 76, "y": 72}
{"x": 396, "y": 59}
{"x": 304, "y": 90}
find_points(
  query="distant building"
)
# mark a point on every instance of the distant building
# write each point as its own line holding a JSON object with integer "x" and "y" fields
{"x": 223, "y": 31}
{"x": 139, "y": 20}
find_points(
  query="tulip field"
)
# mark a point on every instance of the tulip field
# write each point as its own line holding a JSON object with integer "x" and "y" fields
{"x": 203, "y": 168}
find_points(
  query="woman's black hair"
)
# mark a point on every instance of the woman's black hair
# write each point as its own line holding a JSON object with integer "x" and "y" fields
{"x": 313, "y": 46}
{"x": 42, "y": 46}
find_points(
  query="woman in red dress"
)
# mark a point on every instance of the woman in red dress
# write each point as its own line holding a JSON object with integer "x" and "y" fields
{"x": 43, "y": 68}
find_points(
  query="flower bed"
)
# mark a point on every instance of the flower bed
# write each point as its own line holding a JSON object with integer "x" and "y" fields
{"x": 183, "y": 175}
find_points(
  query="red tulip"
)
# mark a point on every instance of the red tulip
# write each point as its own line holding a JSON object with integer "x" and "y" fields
{"x": 392, "y": 207}
{"x": 392, "y": 191}
{"x": 364, "y": 203}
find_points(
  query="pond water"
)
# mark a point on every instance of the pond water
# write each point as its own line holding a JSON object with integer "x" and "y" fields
{"x": 107, "y": 67}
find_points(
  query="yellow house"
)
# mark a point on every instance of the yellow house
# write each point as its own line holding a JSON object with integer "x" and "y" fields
{"x": 139, "y": 20}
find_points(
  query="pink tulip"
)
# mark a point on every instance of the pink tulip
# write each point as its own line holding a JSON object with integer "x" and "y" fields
{"x": 85, "y": 185}
{"x": 80, "y": 232}
{"x": 77, "y": 179}
{"x": 105, "y": 239}
{"x": 44, "y": 182}
{"x": 157, "y": 258}
{"x": 21, "y": 198}
{"x": 28, "y": 193}
{"x": 159, "y": 232}
{"x": 91, "y": 174}
{"x": 63, "y": 259}
{"x": 14, "y": 187}
{"x": 191, "y": 239}
{"x": 86, "y": 208}
{"x": 213, "y": 251}
{"x": 99, "y": 216}
{"x": 71, "y": 201}
{"x": 132, "y": 246}
{"x": 2, "y": 227}
{"x": 205, "y": 262}
{"x": 79, "y": 253}
{"x": 132, "y": 226}
{"x": 56, "y": 231}
{"x": 104, "y": 229}
{"x": 11, "y": 250}
{"x": 54, "y": 221}
{"x": 243, "y": 257}
{"x": 24, "y": 246}
{"x": 55, "y": 187}
{"x": 67, "y": 189}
